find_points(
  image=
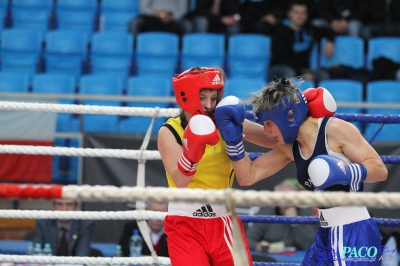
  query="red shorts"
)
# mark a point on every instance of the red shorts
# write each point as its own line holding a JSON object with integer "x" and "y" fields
{"x": 201, "y": 242}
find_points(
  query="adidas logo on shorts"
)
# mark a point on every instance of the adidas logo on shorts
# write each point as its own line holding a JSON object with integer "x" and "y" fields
{"x": 322, "y": 220}
{"x": 205, "y": 211}
{"x": 216, "y": 80}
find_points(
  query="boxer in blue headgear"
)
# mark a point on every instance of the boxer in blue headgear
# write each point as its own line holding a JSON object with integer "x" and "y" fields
{"x": 330, "y": 154}
{"x": 288, "y": 111}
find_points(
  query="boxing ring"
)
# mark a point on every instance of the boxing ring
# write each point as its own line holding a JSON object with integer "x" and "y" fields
{"x": 141, "y": 194}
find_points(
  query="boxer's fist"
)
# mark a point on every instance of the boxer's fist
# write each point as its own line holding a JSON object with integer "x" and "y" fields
{"x": 229, "y": 116}
{"x": 199, "y": 132}
{"x": 320, "y": 102}
{"x": 327, "y": 170}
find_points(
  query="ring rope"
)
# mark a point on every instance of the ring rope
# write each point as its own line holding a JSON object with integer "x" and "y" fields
{"x": 83, "y": 215}
{"x": 163, "y": 112}
{"x": 241, "y": 197}
{"x": 155, "y": 99}
{"x": 117, "y": 153}
{"x": 156, "y": 215}
{"x": 87, "y": 109}
{"x": 103, "y": 260}
{"x": 305, "y": 220}
{"x": 83, "y": 152}
{"x": 390, "y": 200}
{"x": 83, "y": 260}
{"x": 388, "y": 159}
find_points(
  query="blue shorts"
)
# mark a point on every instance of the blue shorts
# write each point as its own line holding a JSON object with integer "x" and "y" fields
{"x": 354, "y": 244}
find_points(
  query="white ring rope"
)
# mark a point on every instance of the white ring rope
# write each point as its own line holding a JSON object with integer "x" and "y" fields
{"x": 83, "y": 260}
{"x": 84, "y": 152}
{"x": 155, "y": 99}
{"x": 84, "y": 215}
{"x": 87, "y": 109}
{"x": 388, "y": 200}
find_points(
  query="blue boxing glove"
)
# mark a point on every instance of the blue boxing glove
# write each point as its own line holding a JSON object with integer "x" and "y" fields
{"x": 327, "y": 170}
{"x": 229, "y": 116}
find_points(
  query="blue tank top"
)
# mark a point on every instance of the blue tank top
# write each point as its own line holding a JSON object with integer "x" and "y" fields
{"x": 302, "y": 164}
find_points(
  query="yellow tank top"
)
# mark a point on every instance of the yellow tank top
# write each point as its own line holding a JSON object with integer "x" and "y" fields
{"x": 214, "y": 169}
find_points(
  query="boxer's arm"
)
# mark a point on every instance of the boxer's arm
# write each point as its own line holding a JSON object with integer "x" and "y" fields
{"x": 171, "y": 152}
{"x": 327, "y": 170}
{"x": 199, "y": 132}
{"x": 249, "y": 172}
{"x": 254, "y": 133}
{"x": 344, "y": 137}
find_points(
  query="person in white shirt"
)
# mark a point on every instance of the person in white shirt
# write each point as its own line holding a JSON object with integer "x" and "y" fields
{"x": 157, "y": 234}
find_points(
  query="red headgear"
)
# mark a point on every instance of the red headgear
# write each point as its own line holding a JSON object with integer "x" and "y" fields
{"x": 188, "y": 84}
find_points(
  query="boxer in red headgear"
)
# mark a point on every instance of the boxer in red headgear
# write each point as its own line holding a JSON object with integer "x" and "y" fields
{"x": 194, "y": 156}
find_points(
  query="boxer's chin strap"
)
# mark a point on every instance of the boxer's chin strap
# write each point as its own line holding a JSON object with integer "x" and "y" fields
{"x": 238, "y": 249}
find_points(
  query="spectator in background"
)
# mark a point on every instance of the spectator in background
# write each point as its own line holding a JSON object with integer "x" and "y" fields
{"x": 293, "y": 235}
{"x": 157, "y": 234}
{"x": 342, "y": 16}
{"x": 380, "y": 18}
{"x": 260, "y": 16}
{"x": 292, "y": 44}
{"x": 159, "y": 15}
{"x": 66, "y": 237}
{"x": 218, "y": 16}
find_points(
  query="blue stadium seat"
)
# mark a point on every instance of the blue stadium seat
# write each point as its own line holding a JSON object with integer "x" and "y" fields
{"x": 66, "y": 52}
{"x": 31, "y": 4}
{"x": 104, "y": 85}
{"x": 115, "y": 15}
{"x": 32, "y": 14}
{"x": 14, "y": 82}
{"x": 346, "y": 91}
{"x": 385, "y": 91}
{"x": 388, "y": 47}
{"x": 77, "y": 15}
{"x": 242, "y": 87}
{"x": 112, "y": 52}
{"x": 248, "y": 55}
{"x": 157, "y": 53}
{"x": 349, "y": 51}
{"x": 115, "y": 22}
{"x": 53, "y": 83}
{"x": 20, "y": 50}
{"x": 203, "y": 49}
{"x": 131, "y": 6}
{"x": 306, "y": 84}
{"x": 145, "y": 86}
{"x": 57, "y": 83}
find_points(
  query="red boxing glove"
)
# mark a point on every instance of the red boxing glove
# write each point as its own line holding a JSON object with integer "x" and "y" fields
{"x": 199, "y": 132}
{"x": 320, "y": 102}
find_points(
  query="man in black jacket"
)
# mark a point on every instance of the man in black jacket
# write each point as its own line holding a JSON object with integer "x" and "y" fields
{"x": 66, "y": 237}
{"x": 292, "y": 44}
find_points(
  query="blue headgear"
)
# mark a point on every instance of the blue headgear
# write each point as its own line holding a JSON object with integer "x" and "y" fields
{"x": 288, "y": 116}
